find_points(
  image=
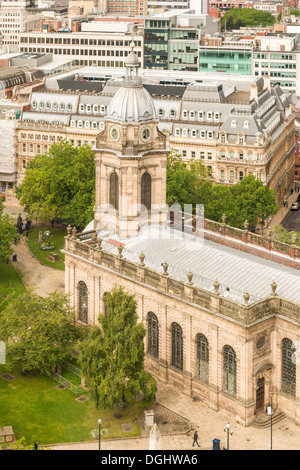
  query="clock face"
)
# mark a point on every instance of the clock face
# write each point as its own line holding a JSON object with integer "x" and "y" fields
{"x": 146, "y": 134}
{"x": 115, "y": 133}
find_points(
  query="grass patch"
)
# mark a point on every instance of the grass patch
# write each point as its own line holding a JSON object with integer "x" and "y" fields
{"x": 10, "y": 281}
{"x": 37, "y": 410}
{"x": 58, "y": 234}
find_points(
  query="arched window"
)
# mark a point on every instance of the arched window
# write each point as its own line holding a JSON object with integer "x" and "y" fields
{"x": 146, "y": 191}
{"x": 288, "y": 372}
{"x": 229, "y": 371}
{"x": 114, "y": 190}
{"x": 153, "y": 338}
{"x": 202, "y": 358}
{"x": 82, "y": 302}
{"x": 177, "y": 346}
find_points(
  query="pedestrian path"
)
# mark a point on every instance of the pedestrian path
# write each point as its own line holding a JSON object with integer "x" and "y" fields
{"x": 36, "y": 276}
{"x": 209, "y": 424}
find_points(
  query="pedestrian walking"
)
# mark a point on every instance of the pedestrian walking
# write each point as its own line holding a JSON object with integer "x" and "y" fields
{"x": 196, "y": 439}
{"x": 36, "y": 445}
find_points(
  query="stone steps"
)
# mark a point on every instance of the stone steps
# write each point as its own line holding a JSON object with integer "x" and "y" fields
{"x": 264, "y": 421}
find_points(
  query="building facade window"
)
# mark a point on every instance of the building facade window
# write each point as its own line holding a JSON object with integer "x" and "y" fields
{"x": 153, "y": 335}
{"x": 288, "y": 373}
{"x": 82, "y": 302}
{"x": 114, "y": 190}
{"x": 202, "y": 358}
{"x": 146, "y": 191}
{"x": 177, "y": 346}
{"x": 229, "y": 371}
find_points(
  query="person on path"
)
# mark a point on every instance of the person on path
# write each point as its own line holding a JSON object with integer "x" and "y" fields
{"x": 196, "y": 439}
{"x": 36, "y": 445}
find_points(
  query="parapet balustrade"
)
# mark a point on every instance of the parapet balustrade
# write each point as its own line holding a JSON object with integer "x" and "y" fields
{"x": 88, "y": 246}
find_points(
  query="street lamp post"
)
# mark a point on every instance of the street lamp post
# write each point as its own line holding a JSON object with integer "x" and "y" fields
{"x": 99, "y": 424}
{"x": 227, "y": 430}
{"x": 270, "y": 413}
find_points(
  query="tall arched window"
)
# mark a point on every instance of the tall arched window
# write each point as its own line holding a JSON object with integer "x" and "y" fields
{"x": 288, "y": 373}
{"x": 177, "y": 346}
{"x": 153, "y": 338}
{"x": 114, "y": 190}
{"x": 229, "y": 371}
{"x": 146, "y": 191}
{"x": 202, "y": 358}
{"x": 82, "y": 302}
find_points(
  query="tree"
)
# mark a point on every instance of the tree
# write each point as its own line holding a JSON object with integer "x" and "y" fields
{"x": 61, "y": 183}
{"x": 281, "y": 234}
{"x": 38, "y": 332}
{"x": 8, "y": 234}
{"x": 256, "y": 202}
{"x": 220, "y": 201}
{"x": 112, "y": 358}
{"x": 184, "y": 179}
{"x": 240, "y": 17}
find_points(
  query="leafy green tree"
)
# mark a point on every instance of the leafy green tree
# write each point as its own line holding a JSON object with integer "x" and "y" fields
{"x": 184, "y": 179}
{"x": 8, "y": 234}
{"x": 237, "y": 18}
{"x": 60, "y": 183}
{"x": 255, "y": 201}
{"x": 38, "y": 332}
{"x": 281, "y": 234}
{"x": 220, "y": 201}
{"x": 112, "y": 358}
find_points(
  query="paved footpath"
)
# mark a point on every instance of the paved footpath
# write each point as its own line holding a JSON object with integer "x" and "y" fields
{"x": 210, "y": 424}
{"x": 35, "y": 275}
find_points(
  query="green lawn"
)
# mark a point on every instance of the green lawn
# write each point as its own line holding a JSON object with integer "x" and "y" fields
{"x": 37, "y": 410}
{"x": 10, "y": 280}
{"x": 58, "y": 234}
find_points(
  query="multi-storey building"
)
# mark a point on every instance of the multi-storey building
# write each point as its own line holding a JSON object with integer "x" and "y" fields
{"x": 16, "y": 18}
{"x": 231, "y": 54}
{"x": 100, "y": 48}
{"x": 172, "y": 39}
{"x": 235, "y": 126}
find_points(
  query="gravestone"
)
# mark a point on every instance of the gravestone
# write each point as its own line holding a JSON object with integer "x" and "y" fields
{"x": 149, "y": 418}
{"x": 7, "y": 434}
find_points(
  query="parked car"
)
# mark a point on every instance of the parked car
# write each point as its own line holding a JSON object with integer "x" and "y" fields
{"x": 295, "y": 206}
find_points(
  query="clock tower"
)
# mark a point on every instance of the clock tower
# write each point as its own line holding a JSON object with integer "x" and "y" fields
{"x": 131, "y": 161}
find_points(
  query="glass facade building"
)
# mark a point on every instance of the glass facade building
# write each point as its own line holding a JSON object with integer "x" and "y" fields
{"x": 169, "y": 47}
{"x": 231, "y": 61}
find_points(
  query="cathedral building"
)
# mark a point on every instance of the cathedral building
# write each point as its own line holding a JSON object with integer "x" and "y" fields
{"x": 222, "y": 318}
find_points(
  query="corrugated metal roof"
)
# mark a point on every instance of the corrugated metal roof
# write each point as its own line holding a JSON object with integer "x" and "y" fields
{"x": 235, "y": 270}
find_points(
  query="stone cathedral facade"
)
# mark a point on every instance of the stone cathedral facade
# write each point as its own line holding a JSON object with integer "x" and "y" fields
{"x": 221, "y": 309}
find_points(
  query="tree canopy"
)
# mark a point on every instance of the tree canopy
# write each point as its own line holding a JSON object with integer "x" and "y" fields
{"x": 249, "y": 199}
{"x": 38, "y": 332}
{"x": 240, "y": 17}
{"x": 8, "y": 234}
{"x": 61, "y": 184}
{"x": 112, "y": 357}
{"x": 184, "y": 179}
